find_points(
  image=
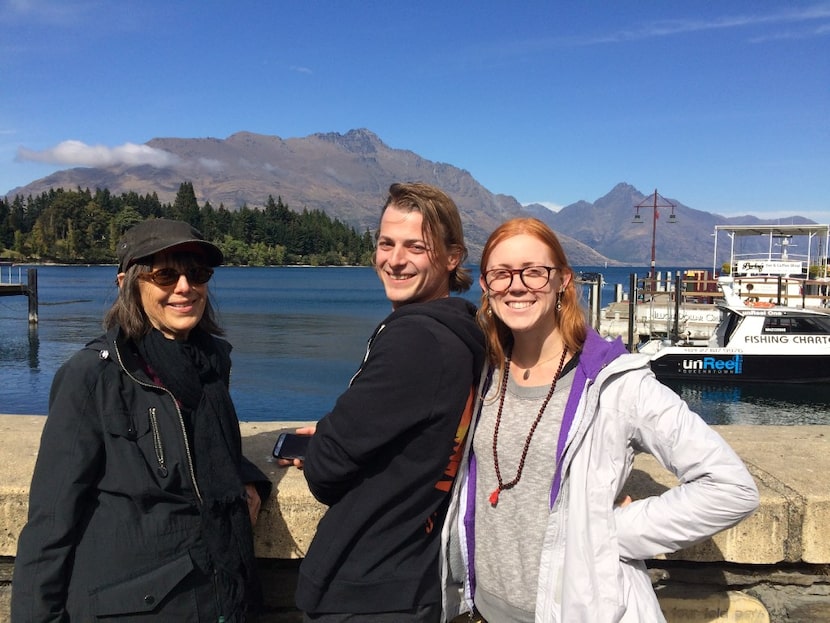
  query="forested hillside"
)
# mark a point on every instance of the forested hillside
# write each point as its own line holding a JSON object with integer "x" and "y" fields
{"x": 83, "y": 227}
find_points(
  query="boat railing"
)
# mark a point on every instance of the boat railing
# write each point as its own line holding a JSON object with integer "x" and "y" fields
{"x": 674, "y": 295}
{"x": 783, "y": 290}
{"x": 6, "y": 273}
{"x": 666, "y": 304}
{"x": 700, "y": 287}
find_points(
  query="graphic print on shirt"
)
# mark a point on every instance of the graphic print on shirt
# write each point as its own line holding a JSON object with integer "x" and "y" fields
{"x": 445, "y": 484}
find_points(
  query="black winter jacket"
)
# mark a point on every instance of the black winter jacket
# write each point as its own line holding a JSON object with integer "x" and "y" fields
{"x": 114, "y": 522}
{"x": 384, "y": 460}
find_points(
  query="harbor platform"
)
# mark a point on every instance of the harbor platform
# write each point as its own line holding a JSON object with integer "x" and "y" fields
{"x": 8, "y": 287}
{"x": 773, "y": 567}
{"x": 12, "y": 289}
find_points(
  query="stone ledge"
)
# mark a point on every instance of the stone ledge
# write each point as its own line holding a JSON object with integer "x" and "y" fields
{"x": 789, "y": 463}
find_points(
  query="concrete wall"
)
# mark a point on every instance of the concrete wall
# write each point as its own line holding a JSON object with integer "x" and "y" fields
{"x": 775, "y": 566}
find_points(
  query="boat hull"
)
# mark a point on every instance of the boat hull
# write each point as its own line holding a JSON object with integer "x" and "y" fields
{"x": 742, "y": 367}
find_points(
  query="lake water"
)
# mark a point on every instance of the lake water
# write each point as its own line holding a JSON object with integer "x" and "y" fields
{"x": 299, "y": 334}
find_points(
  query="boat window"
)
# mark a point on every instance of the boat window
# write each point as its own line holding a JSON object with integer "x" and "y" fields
{"x": 731, "y": 326}
{"x": 796, "y": 324}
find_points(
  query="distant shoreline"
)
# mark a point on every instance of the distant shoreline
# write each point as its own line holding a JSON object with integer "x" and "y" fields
{"x": 6, "y": 264}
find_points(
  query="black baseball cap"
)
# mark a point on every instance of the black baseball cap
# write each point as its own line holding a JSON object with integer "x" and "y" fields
{"x": 160, "y": 234}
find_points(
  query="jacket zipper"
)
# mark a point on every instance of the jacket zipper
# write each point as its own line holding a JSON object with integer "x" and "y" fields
{"x": 162, "y": 468}
{"x": 366, "y": 355}
{"x": 221, "y": 617}
{"x": 157, "y": 443}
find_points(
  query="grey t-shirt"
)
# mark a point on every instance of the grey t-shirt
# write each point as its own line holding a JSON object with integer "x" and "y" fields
{"x": 509, "y": 536}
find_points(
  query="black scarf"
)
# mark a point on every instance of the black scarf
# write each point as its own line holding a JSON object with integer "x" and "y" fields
{"x": 191, "y": 371}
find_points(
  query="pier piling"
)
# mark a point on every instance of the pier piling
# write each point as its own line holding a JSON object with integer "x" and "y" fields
{"x": 31, "y": 275}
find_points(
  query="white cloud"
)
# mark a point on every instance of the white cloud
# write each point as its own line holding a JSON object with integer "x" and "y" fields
{"x": 211, "y": 164}
{"x": 787, "y": 15}
{"x": 77, "y": 153}
{"x": 52, "y": 12}
{"x": 300, "y": 69}
{"x": 812, "y": 20}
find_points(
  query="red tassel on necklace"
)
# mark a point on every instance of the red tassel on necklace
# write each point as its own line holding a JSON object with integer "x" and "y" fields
{"x": 494, "y": 497}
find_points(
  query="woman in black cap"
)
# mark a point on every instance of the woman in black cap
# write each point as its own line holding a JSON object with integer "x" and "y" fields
{"x": 141, "y": 504}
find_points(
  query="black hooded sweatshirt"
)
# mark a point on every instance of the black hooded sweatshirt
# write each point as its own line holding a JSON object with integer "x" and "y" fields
{"x": 384, "y": 459}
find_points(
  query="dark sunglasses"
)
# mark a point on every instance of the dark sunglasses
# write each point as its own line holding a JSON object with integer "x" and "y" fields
{"x": 165, "y": 277}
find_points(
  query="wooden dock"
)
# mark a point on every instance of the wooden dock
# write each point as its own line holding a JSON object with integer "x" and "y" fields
{"x": 28, "y": 289}
{"x": 10, "y": 289}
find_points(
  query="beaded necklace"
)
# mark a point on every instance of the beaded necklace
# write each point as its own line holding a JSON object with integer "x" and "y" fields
{"x": 494, "y": 496}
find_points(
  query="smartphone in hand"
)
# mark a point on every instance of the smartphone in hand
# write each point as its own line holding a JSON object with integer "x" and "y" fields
{"x": 291, "y": 446}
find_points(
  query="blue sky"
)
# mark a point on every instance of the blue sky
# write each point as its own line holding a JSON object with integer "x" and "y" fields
{"x": 724, "y": 106}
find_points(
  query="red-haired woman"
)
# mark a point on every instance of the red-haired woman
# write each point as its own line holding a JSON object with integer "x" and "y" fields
{"x": 536, "y": 530}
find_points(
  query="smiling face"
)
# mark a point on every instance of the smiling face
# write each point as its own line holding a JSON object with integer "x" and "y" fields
{"x": 524, "y": 310}
{"x": 175, "y": 309}
{"x": 405, "y": 261}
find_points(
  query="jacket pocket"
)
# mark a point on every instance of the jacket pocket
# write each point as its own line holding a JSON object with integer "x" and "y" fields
{"x": 134, "y": 429}
{"x": 129, "y": 425}
{"x": 144, "y": 593}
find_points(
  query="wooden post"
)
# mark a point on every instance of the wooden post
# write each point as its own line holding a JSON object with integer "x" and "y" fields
{"x": 678, "y": 293}
{"x": 31, "y": 292}
{"x": 632, "y": 310}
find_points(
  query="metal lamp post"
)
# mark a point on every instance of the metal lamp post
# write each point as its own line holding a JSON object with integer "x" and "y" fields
{"x": 654, "y": 202}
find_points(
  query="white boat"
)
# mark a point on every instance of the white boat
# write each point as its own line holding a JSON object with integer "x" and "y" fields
{"x": 772, "y": 263}
{"x": 754, "y": 341}
{"x": 768, "y": 265}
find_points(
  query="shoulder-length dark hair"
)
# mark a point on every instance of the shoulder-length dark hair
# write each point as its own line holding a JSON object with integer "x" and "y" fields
{"x": 441, "y": 227}
{"x": 128, "y": 313}
{"x": 571, "y": 320}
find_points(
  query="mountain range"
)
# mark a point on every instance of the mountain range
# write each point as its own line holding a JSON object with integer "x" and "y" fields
{"x": 348, "y": 175}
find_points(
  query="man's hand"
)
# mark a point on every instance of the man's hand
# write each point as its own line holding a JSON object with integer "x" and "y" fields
{"x": 298, "y": 463}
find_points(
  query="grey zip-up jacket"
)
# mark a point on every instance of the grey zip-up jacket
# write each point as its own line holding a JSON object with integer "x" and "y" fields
{"x": 114, "y": 527}
{"x": 591, "y": 568}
